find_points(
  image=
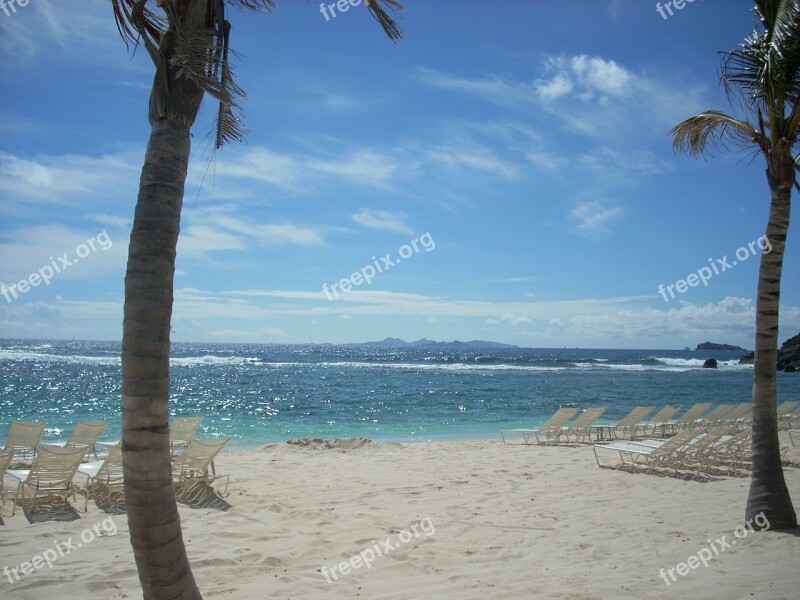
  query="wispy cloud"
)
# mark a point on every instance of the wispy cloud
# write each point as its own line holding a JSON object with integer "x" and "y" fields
{"x": 382, "y": 219}
{"x": 593, "y": 218}
{"x": 589, "y": 95}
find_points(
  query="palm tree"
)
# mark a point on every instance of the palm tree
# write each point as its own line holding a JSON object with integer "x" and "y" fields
{"x": 765, "y": 75}
{"x": 188, "y": 42}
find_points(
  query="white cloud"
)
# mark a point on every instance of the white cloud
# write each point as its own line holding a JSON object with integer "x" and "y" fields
{"x": 593, "y": 218}
{"x": 382, "y": 219}
{"x": 68, "y": 179}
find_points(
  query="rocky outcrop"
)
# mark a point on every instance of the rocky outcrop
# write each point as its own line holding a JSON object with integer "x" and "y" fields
{"x": 788, "y": 356}
{"x": 710, "y": 363}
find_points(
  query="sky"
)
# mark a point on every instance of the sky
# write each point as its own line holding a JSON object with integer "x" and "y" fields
{"x": 502, "y": 173}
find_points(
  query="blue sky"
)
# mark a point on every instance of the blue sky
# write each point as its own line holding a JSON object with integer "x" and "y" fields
{"x": 521, "y": 144}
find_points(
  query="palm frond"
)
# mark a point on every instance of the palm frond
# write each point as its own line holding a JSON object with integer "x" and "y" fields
{"x": 694, "y": 135}
{"x": 379, "y": 13}
{"x": 190, "y": 40}
{"x": 767, "y": 66}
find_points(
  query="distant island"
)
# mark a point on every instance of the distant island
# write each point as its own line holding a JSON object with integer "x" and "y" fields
{"x": 713, "y": 346}
{"x": 390, "y": 341}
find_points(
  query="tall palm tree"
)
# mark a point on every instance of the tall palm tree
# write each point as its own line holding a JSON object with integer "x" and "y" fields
{"x": 763, "y": 75}
{"x": 187, "y": 41}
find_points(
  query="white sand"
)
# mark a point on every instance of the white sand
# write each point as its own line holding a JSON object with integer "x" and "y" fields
{"x": 510, "y": 522}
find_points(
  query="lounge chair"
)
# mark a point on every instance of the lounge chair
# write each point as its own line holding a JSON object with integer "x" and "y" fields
{"x": 630, "y": 422}
{"x": 51, "y": 472}
{"x": 106, "y": 473}
{"x": 651, "y": 454}
{"x": 738, "y": 416}
{"x": 182, "y": 431}
{"x": 716, "y": 417}
{"x": 581, "y": 427}
{"x": 24, "y": 437}
{"x": 690, "y": 418}
{"x": 196, "y": 464}
{"x": 659, "y": 421}
{"x": 552, "y": 426}
{"x": 85, "y": 435}
{"x": 5, "y": 460}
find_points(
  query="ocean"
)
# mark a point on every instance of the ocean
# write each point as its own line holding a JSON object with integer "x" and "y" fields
{"x": 258, "y": 394}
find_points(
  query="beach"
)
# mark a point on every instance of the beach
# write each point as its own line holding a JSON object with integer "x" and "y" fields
{"x": 465, "y": 519}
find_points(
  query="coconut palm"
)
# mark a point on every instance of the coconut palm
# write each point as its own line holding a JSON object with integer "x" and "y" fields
{"x": 188, "y": 42}
{"x": 763, "y": 77}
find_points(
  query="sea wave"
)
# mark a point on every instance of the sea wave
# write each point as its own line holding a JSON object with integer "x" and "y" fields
{"x": 21, "y": 355}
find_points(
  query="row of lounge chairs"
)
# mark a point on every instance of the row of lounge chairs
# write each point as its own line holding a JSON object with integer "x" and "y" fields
{"x": 54, "y": 467}
{"x": 636, "y": 424}
{"x": 719, "y": 450}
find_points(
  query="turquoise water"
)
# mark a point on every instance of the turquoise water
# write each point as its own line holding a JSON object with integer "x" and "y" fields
{"x": 258, "y": 394}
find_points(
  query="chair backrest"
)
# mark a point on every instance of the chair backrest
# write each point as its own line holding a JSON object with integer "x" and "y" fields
{"x": 111, "y": 469}
{"x": 732, "y": 442}
{"x": 55, "y": 465}
{"x": 86, "y": 434}
{"x": 694, "y": 413}
{"x": 587, "y": 418}
{"x": 25, "y": 435}
{"x": 5, "y": 460}
{"x": 183, "y": 429}
{"x": 664, "y": 415}
{"x": 635, "y": 416}
{"x": 738, "y": 412}
{"x": 677, "y": 441}
{"x": 198, "y": 455}
{"x": 704, "y": 443}
{"x": 559, "y": 418}
{"x": 719, "y": 413}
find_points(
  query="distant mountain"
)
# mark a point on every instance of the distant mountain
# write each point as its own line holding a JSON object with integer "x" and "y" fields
{"x": 390, "y": 341}
{"x": 713, "y": 346}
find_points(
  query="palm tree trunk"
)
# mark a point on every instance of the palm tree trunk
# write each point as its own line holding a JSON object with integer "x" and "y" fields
{"x": 153, "y": 518}
{"x": 768, "y": 492}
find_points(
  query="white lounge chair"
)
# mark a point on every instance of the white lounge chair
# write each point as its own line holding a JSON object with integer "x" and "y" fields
{"x": 103, "y": 474}
{"x": 24, "y": 437}
{"x": 5, "y": 460}
{"x": 51, "y": 473}
{"x": 182, "y": 431}
{"x": 551, "y": 427}
{"x": 628, "y": 424}
{"x": 658, "y": 422}
{"x": 196, "y": 464}
{"x": 690, "y": 418}
{"x": 581, "y": 427}
{"x": 651, "y": 454}
{"x": 85, "y": 435}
